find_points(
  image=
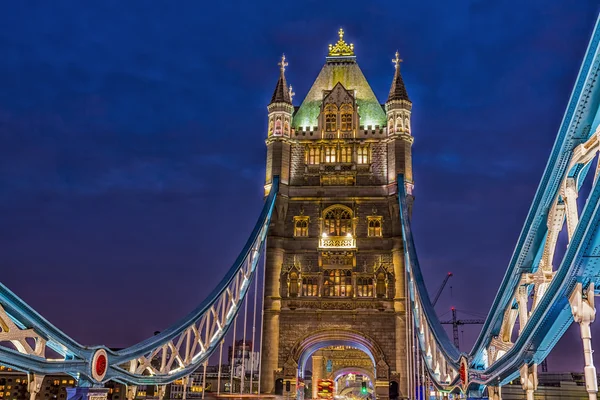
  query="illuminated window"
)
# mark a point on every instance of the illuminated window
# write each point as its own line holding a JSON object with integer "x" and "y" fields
{"x": 314, "y": 156}
{"x": 390, "y": 125}
{"x": 278, "y": 127}
{"x": 337, "y": 283}
{"x": 346, "y": 154}
{"x": 380, "y": 288}
{"x": 364, "y": 287}
{"x": 330, "y": 118}
{"x": 293, "y": 284}
{"x": 337, "y": 222}
{"x": 374, "y": 226}
{"x": 310, "y": 287}
{"x": 330, "y": 154}
{"x": 64, "y": 382}
{"x": 399, "y": 124}
{"x": 346, "y": 118}
{"x": 286, "y": 127}
{"x": 71, "y": 382}
{"x": 362, "y": 155}
{"x": 301, "y": 226}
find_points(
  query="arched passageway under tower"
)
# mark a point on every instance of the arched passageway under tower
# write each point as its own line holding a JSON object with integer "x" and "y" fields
{"x": 314, "y": 342}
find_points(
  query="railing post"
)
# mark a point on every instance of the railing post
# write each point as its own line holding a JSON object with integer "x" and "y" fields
{"x": 495, "y": 392}
{"x": 584, "y": 313}
{"x": 529, "y": 380}
{"x": 131, "y": 391}
{"x": 34, "y": 384}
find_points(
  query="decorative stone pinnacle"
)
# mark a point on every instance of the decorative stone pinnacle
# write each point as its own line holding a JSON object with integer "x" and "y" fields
{"x": 283, "y": 63}
{"x": 341, "y": 48}
{"x": 291, "y": 93}
{"x": 397, "y": 60}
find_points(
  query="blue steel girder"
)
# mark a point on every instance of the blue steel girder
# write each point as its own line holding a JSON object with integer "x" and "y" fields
{"x": 579, "y": 122}
{"x": 34, "y": 345}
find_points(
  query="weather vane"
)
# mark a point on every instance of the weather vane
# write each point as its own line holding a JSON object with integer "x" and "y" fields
{"x": 283, "y": 63}
{"x": 397, "y": 60}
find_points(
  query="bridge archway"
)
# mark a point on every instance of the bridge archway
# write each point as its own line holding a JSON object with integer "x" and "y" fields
{"x": 307, "y": 346}
{"x": 304, "y": 348}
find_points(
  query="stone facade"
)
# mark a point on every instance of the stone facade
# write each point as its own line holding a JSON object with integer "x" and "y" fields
{"x": 334, "y": 262}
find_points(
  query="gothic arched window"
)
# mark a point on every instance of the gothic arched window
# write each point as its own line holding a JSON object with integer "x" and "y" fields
{"x": 337, "y": 283}
{"x": 286, "y": 127}
{"x": 390, "y": 125}
{"x": 346, "y": 117}
{"x": 362, "y": 154}
{"x": 310, "y": 287}
{"x": 364, "y": 287}
{"x": 301, "y": 226}
{"x": 337, "y": 221}
{"x": 330, "y": 118}
{"x": 330, "y": 154}
{"x": 346, "y": 154}
{"x": 374, "y": 226}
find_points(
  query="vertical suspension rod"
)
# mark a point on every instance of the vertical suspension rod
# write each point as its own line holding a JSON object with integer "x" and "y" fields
{"x": 232, "y": 367}
{"x": 242, "y": 378}
{"x": 253, "y": 329}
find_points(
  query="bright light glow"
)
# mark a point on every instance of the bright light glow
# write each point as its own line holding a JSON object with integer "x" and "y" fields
{"x": 348, "y": 234}
{"x": 324, "y": 235}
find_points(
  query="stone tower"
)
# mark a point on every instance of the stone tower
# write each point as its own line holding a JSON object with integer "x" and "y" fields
{"x": 334, "y": 264}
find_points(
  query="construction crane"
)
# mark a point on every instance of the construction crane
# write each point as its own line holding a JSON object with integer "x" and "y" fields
{"x": 442, "y": 286}
{"x": 456, "y": 322}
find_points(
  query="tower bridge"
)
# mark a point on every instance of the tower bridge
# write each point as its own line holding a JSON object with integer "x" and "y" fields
{"x": 343, "y": 294}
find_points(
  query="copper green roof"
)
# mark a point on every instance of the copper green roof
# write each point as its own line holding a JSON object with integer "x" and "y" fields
{"x": 346, "y": 71}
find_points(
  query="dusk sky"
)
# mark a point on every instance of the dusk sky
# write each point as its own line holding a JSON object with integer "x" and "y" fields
{"x": 132, "y": 154}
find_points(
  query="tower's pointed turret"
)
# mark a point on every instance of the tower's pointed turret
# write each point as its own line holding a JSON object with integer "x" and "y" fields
{"x": 397, "y": 110}
{"x": 398, "y": 90}
{"x": 282, "y": 92}
{"x": 280, "y": 128}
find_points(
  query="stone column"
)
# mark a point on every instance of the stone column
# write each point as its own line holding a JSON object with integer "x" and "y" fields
{"x": 272, "y": 307}
{"x": 317, "y": 373}
{"x": 400, "y": 359}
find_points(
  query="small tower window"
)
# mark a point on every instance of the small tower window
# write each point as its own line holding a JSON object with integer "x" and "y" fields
{"x": 362, "y": 154}
{"x": 314, "y": 155}
{"x": 278, "y": 127}
{"x": 330, "y": 118}
{"x": 390, "y": 125}
{"x": 399, "y": 124}
{"x": 346, "y": 118}
{"x": 364, "y": 287}
{"x": 310, "y": 287}
{"x": 286, "y": 127}
{"x": 374, "y": 226}
{"x": 301, "y": 226}
{"x": 346, "y": 154}
{"x": 330, "y": 154}
{"x": 337, "y": 283}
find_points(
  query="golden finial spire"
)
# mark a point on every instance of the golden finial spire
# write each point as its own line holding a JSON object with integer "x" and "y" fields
{"x": 397, "y": 60}
{"x": 341, "y": 48}
{"x": 283, "y": 63}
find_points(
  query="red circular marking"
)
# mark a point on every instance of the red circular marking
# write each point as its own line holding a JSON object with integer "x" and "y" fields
{"x": 100, "y": 364}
